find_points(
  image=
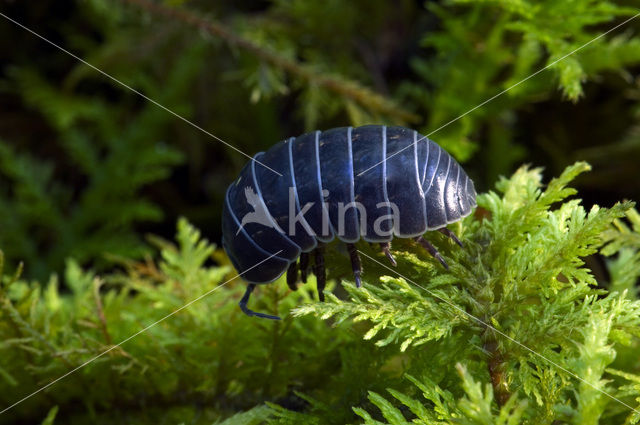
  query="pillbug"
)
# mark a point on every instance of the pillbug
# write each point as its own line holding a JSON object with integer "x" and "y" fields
{"x": 372, "y": 182}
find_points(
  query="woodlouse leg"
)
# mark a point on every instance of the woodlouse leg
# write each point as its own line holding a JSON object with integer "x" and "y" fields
{"x": 292, "y": 276}
{"x": 451, "y": 235}
{"x": 247, "y": 311}
{"x": 432, "y": 250}
{"x": 304, "y": 266}
{"x": 356, "y": 265}
{"x": 386, "y": 248}
{"x": 319, "y": 271}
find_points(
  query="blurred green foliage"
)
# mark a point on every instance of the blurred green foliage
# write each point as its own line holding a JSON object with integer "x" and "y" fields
{"x": 86, "y": 165}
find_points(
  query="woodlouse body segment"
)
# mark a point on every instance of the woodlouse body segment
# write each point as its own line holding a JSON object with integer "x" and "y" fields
{"x": 372, "y": 182}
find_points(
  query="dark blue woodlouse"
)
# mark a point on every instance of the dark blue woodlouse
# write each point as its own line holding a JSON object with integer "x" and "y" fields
{"x": 372, "y": 182}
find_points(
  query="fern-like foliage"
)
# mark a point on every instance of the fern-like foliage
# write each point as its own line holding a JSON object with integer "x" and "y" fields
{"x": 487, "y": 47}
{"x": 41, "y": 198}
{"x": 624, "y": 240}
{"x": 518, "y": 330}
{"x": 474, "y": 408}
{"x": 478, "y": 49}
{"x": 208, "y": 354}
{"x": 518, "y": 304}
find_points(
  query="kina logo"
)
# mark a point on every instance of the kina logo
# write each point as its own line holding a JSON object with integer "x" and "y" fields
{"x": 259, "y": 215}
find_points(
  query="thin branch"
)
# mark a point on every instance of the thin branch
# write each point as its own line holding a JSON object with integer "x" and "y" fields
{"x": 496, "y": 367}
{"x": 348, "y": 89}
{"x": 97, "y": 282}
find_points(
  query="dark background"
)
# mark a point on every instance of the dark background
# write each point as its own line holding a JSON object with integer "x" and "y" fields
{"x": 88, "y": 168}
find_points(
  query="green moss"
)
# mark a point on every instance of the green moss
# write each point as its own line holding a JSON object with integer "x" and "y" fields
{"x": 415, "y": 343}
